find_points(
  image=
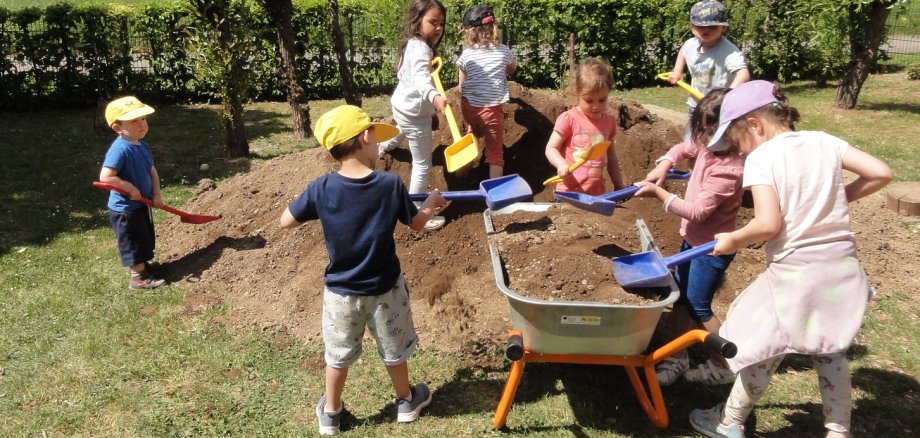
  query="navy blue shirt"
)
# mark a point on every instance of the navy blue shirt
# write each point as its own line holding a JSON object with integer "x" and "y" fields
{"x": 132, "y": 162}
{"x": 358, "y": 217}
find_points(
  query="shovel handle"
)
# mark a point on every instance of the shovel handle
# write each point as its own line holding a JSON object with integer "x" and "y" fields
{"x": 107, "y": 186}
{"x": 690, "y": 254}
{"x": 436, "y": 65}
{"x": 557, "y": 178}
{"x": 688, "y": 88}
{"x": 451, "y": 196}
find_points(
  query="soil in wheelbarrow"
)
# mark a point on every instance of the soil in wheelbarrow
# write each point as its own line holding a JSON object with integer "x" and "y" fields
{"x": 563, "y": 254}
{"x": 272, "y": 278}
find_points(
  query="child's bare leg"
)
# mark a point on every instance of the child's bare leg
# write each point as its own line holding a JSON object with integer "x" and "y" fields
{"x": 399, "y": 374}
{"x": 836, "y": 392}
{"x": 335, "y": 384}
{"x": 495, "y": 171}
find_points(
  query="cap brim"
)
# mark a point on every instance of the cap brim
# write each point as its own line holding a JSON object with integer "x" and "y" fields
{"x": 384, "y": 132}
{"x": 133, "y": 114}
{"x": 717, "y": 143}
{"x": 709, "y": 23}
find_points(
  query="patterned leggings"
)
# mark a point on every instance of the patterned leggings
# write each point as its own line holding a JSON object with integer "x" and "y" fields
{"x": 833, "y": 379}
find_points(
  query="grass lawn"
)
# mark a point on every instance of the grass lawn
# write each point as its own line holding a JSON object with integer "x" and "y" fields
{"x": 82, "y": 356}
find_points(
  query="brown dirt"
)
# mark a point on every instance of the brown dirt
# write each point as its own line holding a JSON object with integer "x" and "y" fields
{"x": 272, "y": 278}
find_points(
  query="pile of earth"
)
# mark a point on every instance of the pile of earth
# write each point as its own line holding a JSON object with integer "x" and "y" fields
{"x": 272, "y": 278}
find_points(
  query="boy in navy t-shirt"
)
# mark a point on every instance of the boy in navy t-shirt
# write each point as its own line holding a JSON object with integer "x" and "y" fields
{"x": 364, "y": 287}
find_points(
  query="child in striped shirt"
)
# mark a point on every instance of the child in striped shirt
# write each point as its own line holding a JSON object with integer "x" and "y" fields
{"x": 484, "y": 68}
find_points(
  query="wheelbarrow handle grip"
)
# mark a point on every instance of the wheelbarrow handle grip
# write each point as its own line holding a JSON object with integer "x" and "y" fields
{"x": 685, "y": 256}
{"x": 721, "y": 345}
{"x": 515, "y": 350}
{"x": 451, "y": 196}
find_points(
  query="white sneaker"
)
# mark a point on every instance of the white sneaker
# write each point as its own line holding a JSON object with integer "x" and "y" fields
{"x": 668, "y": 370}
{"x": 435, "y": 223}
{"x": 710, "y": 374}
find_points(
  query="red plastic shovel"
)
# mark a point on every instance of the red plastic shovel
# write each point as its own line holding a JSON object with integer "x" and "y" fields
{"x": 188, "y": 218}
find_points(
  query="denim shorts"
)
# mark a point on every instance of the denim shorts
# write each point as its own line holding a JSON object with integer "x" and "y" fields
{"x": 698, "y": 281}
{"x": 387, "y": 316}
{"x": 135, "y": 235}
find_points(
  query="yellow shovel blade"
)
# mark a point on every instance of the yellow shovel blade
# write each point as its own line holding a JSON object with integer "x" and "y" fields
{"x": 461, "y": 153}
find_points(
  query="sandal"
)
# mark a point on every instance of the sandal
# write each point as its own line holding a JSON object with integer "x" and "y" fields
{"x": 671, "y": 368}
{"x": 710, "y": 374}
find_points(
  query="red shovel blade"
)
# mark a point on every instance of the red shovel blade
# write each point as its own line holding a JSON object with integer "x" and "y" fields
{"x": 184, "y": 217}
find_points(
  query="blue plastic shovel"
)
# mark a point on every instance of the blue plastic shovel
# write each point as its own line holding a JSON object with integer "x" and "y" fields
{"x": 649, "y": 269}
{"x": 497, "y": 192}
{"x": 606, "y": 204}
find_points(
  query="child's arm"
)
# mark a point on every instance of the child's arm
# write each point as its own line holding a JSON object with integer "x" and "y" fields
{"x": 741, "y": 76}
{"x": 109, "y": 175}
{"x": 873, "y": 174}
{"x": 715, "y": 188}
{"x": 426, "y": 210}
{"x": 613, "y": 168}
{"x": 677, "y": 73}
{"x": 511, "y": 67}
{"x": 766, "y": 223}
{"x": 155, "y": 179}
{"x": 287, "y": 220}
{"x": 553, "y": 154}
{"x": 460, "y": 81}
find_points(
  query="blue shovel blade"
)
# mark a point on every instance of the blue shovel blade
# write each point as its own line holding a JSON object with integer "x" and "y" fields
{"x": 587, "y": 202}
{"x": 641, "y": 270}
{"x": 505, "y": 190}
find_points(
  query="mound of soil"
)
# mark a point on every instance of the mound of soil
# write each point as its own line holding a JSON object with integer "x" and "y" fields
{"x": 272, "y": 278}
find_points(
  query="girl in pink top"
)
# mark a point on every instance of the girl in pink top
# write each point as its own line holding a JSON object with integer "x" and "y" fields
{"x": 582, "y": 126}
{"x": 813, "y": 294}
{"x": 710, "y": 206}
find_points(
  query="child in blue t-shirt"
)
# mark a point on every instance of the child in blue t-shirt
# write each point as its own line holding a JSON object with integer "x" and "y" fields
{"x": 129, "y": 166}
{"x": 364, "y": 286}
{"x": 712, "y": 60}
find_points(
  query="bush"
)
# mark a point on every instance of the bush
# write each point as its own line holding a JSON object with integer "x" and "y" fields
{"x": 913, "y": 72}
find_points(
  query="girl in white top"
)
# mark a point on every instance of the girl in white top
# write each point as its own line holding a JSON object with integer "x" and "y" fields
{"x": 813, "y": 294}
{"x": 416, "y": 99}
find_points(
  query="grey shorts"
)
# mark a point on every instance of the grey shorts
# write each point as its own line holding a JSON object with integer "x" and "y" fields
{"x": 387, "y": 316}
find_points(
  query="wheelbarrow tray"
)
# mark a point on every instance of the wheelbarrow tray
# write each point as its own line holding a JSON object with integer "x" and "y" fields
{"x": 578, "y": 327}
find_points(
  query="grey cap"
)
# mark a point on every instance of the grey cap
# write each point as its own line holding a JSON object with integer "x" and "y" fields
{"x": 708, "y": 13}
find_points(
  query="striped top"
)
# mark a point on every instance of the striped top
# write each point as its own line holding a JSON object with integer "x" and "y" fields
{"x": 486, "y": 82}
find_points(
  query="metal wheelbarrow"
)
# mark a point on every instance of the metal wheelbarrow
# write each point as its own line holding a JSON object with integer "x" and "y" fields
{"x": 590, "y": 332}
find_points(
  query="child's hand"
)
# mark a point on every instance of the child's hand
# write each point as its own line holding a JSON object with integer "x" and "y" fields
{"x": 562, "y": 170}
{"x": 659, "y": 173}
{"x": 646, "y": 189}
{"x": 674, "y": 76}
{"x": 157, "y": 201}
{"x": 725, "y": 244}
{"x": 134, "y": 193}
{"x": 440, "y": 103}
{"x": 435, "y": 199}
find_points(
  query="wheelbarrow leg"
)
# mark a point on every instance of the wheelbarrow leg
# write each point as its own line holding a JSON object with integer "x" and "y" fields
{"x": 514, "y": 379}
{"x": 655, "y": 408}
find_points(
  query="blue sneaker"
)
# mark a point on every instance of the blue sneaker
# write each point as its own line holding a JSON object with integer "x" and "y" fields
{"x": 328, "y": 424}
{"x": 709, "y": 422}
{"x": 408, "y": 411}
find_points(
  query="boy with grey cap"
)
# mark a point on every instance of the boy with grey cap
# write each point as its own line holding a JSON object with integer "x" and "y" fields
{"x": 713, "y": 61}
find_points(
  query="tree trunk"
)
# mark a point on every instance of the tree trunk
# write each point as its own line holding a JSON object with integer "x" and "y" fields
{"x": 280, "y": 12}
{"x": 352, "y": 97}
{"x": 237, "y": 144}
{"x": 864, "y": 50}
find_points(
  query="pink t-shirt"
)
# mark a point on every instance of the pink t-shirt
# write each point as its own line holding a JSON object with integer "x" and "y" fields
{"x": 805, "y": 170}
{"x": 580, "y": 132}
{"x": 713, "y": 196}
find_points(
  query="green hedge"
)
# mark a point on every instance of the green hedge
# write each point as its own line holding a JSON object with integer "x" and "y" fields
{"x": 70, "y": 55}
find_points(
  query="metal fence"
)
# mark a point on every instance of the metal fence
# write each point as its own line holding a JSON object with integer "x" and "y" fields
{"x": 903, "y": 42}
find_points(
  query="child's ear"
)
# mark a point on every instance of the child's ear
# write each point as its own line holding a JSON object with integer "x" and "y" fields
{"x": 366, "y": 137}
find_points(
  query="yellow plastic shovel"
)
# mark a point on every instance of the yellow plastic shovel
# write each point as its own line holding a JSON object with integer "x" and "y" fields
{"x": 464, "y": 150}
{"x": 596, "y": 151}
{"x": 693, "y": 91}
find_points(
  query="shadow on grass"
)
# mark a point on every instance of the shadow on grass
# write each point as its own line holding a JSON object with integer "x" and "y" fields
{"x": 890, "y": 106}
{"x": 47, "y": 169}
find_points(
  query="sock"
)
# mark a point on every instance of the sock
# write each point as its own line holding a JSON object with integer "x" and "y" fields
{"x": 333, "y": 413}
{"x": 409, "y": 398}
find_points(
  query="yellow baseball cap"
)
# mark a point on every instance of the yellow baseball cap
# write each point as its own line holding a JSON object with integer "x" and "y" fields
{"x": 125, "y": 108}
{"x": 344, "y": 122}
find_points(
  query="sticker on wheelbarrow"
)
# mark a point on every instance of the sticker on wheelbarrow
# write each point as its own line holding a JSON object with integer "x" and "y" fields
{"x": 581, "y": 320}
